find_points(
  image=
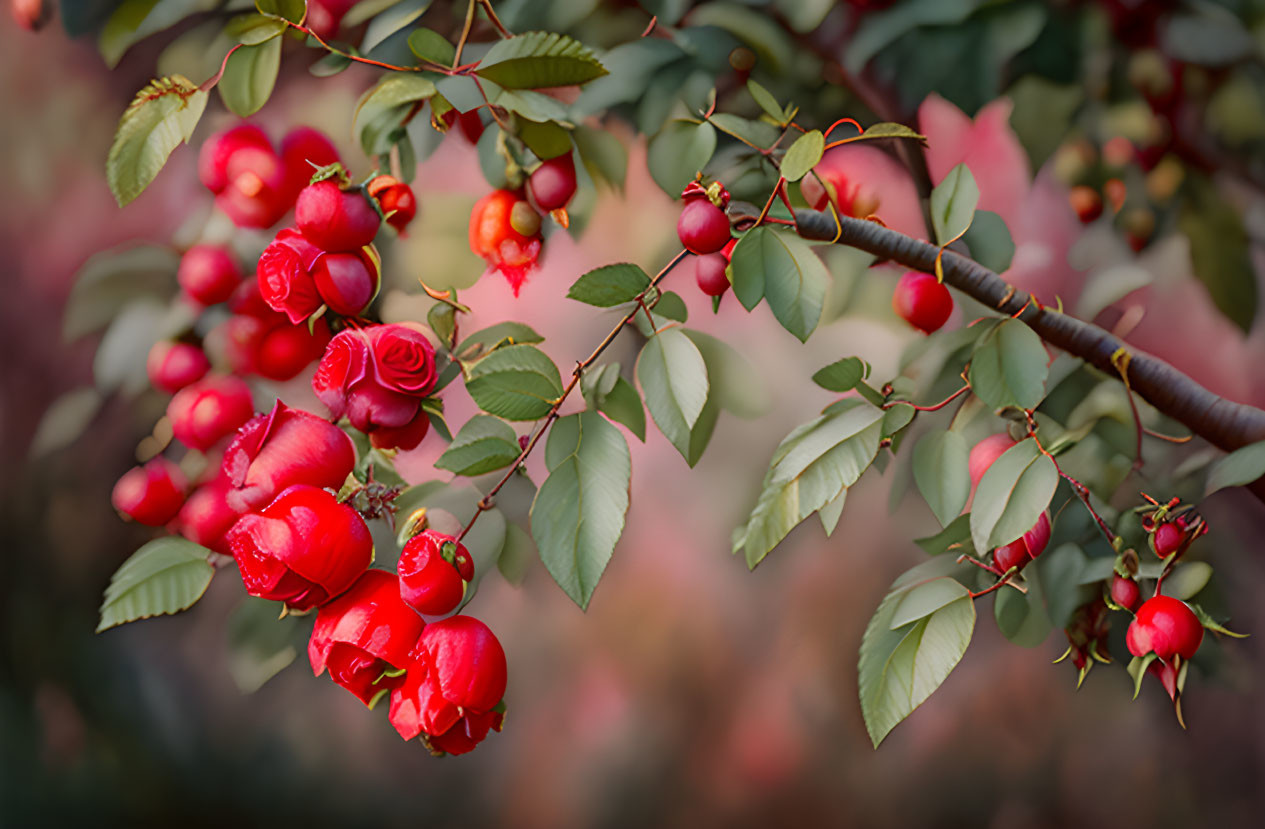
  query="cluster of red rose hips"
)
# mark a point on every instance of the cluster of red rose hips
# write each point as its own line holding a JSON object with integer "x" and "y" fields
{"x": 505, "y": 225}
{"x": 703, "y": 228}
{"x": 267, "y": 497}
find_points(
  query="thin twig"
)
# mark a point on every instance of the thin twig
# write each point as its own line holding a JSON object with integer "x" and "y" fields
{"x": 465, "y": 34}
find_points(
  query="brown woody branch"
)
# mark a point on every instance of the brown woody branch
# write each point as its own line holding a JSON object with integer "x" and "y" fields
{"x": 1223, "y": 423}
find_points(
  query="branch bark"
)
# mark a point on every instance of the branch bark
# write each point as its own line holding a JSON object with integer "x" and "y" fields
{"x": 1223, "y": 423}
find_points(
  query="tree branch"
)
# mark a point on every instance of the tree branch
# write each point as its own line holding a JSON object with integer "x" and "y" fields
{"x": 1223, "y": 423}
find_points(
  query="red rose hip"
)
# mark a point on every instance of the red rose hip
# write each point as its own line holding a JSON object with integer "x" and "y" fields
{"x": 984, "y": 453}
{"x": 1166, "y": 627}
{"x": 172, "y": 366}
{"x": 1125, "y": 592}
{"x": 434, "y": 570}
{"x": 208, "y": 410}
{"x": 150, "y": 494}
{"x": 208, "y": 274}
{"x": 347, "y": 282}
{"x": 396, "y": 199}
{"x": 552, "y": 184}
{"x": 922, "y": 301}
{"x": 1168, "y": 539}
{"x": 709, "y": 272}
{"x": 702, "y": 226}
{"x": 335, "y": 219}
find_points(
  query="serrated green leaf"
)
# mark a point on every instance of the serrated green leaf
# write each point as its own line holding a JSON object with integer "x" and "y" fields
{"x": 803, "y": 155}
{"x": 953, "y": 204}
{"x": 811, "y": 466}
{"x": 484, "y": 444}
{"x": 940, "y": 470}
{"x": 1239, "y": 468}
{"x": 610, "y": 285}
{"x": 430, "y": 45}
{"x": 1009, "y": 367}
{"x": 518, "y": 382}
{"x": 578, "y": 513}
{"x": 166, "y": 575}
{"x": 539, "y": 60}
{"x": 899, "y": 669}
{"x": 841, "y": 375}
{"x": 673, "y": 378}
{"x": 1011, "y": 496}
{"x": 678, "y": 153}
{"x": 160, "y": 117}
{"x": 249, "y": 77}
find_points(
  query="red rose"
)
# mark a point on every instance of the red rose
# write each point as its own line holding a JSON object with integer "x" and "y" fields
{"x": 434, "y": 569}
{"x": 449, "y": 692}
{"x": 377, "y": 377}
{"x": 365, "y": 634}
{"x": 206, "y": 411}
{"x": 285, "y": 275}
{"x": 403, "y": 357}
{"x": 282, "y": 448}
{"x": 150, "y": 494}
{"x": 302, "y": 549}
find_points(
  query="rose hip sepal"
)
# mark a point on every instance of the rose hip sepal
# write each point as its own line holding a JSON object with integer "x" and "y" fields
{"x": 302, "y": 549}
{"x": 285, "y": 275}
{"x": 1166, "y": 627}
{"x": 365, "y": 637}
{"x": 434, "y": 570}
{"x": 282, "y": 448}
{"x": 451, "y": 692}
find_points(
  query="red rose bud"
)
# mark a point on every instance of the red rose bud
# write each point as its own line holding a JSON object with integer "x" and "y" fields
{"x": 172, "y": 366}
{"x": 1025, "y": 548}
{"x": 285, "y": 276}
{"x": 209, "y": 274}
{"x": 396, "y": 199}
{"x": 376, "y": 376}
{"x": 434, "y": 570}
{"x": 702, "y": 226}
{"x": 922, "y": 301}
{"x": 1166, "y": 627}
{"x": 286, "y": 350}
{"x": 218, "y": 150}
{"x": 1168, "y": 539}
{"x": 206, "y": 516}
{"x": 247, "y": 301}
{"x": 304, "y": 151}
{"x": 365, "y": 637}
{"x": 403, "y": 358}
{"x": 493, "y": 236}
{"x": 283, "y": 448}
{"x": 150, "y": 494}
{"x": 302, "y": 549}
{"x": 458, "y": 677}
{"x": 325, "y": 16}
{"x": 208, "y": 410}
{"x": 335, "y": 220}
{"x": 347, "y": 282}
{"x": 552, "y": 184}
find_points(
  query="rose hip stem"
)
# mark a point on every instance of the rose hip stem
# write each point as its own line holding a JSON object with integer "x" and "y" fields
{"x": 485, "y": 503}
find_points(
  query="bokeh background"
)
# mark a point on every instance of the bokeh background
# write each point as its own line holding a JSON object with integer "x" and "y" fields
{"x": 692, "y": 692}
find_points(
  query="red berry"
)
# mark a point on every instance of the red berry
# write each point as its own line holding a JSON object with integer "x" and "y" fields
{"x": 1038, "y": 537}
{"x": 1086, "y": 202}
{"x": 287, "y": 349}
{"x": 208, "y": 274}
{"x": 434, "y": 569}
{"x": 1014, "y": 554}
{"x": 333, "y": 219}
{"x": 702, "y": 227}
{"x": 150, "y": 494}
{"x": 247, "y": 177}
{"x": 401, "y": 437}
{"x": 1125, "y": 592}
{"x": 1165, "y": 626}
{"x": 552, "y": 184}
{"x": 31, "y": 14}
{"x": 219, "y": 149}
{"x": 922, "y": 301}
{"x": 396, "y": 199}
{"x": 303, "y": 151}
{"x": 208, "y": 410}
{"x": 235, "y": 341}
{"x": 1168, "y": 539}
{"x": 172, "y": 366}
{"x": 984, "y": 453}
{"x": 206, "y": 516}
{"x": 347, "y": 282}
{"x": 492, "y": 236}
{"x": 709, "y": 271}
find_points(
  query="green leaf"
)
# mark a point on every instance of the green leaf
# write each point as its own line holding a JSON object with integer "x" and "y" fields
{"x": 1011, "y": 496}
{"x": 1022, "y": 617}
{"x": 160, "y": 117}
{"x": 483, "y": 445}
{"x": 167, "y": 575}
{"x": 135, "y": 20}
{"x": 1239, "y": 468}
{"x": 899, "y": 668}
{"x": 381, "y": 110}
{"x": 546, "y": 139}
{"x": 803, "y": 155}
{"x": 889, "y": 129}
{"x": 261, "y": 645}
{"x": 673, "y": 378}
{"x": 602, "y": 154}
{"x": 953, "y": 204}
{"x": 254, "y": 29}
{"x": 733, "y": 382}
{"x": 516, "y": 555}
{"x": 756, "y": 133}
{"x": 783, "y": 269}
{"x": 940, "y": 470}
{"x": 924, "y": 599}
{"x": 1220, "y": 251}
{"x": 830, "y": 513}
{"x": 292, "y": 10}
{"x": 65, "y": 420}
{"x": 956, "y": 538}
{"x": 1009, "y": 367}
{"x": 841, "y": 375}
{"x": 430, "y": 45}
{"x": 112, "y": 280}
{"x": 1187, "y": 579}
{"x": 501, "y": 334}
{"x": 678, "y": 153}
{"x": 538, "y": 60}
{"x": 811, "y": 466}
{"x": 990, "y": 242}
{"x": 896, "y": 417}
{"x": 622, "y": 404}
{"x": 249, "y": 77}
{"x": 670, "y": 306}
{"x": 757, "y": 28}
{"x": 766, "y": 100}
{"x": 610, "y": 285}
{"x": 578, "y": 513}
{"x": 517, "y": 382}
{"x": 391, "y": 21}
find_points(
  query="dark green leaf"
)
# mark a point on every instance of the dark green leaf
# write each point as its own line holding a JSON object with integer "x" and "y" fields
{"x": 292, "y": 10}
{"x": 990, "y": 242}
{"x": 254, "y": 29}
{"x": 678, "y": 153}
{"x": 483, "y": 445}
{"x": 955, "y": 538}
{"x": 160, "y": 117}
{"x": 756, "y": 133}
{"x": 1009, "y": 367}
{"x": 841, "y": 375}
{"x": 538, "y": 60}
{"x": 167, "y": 575}
{"x": 1022, "y": 617}
{"x": 430, "y": 45}
{"x": 757, "y": 28}
{"x": 1239, "y": 468}
{"x": 803, "y": 155}
{"x": 546, "y": 140}
{"x": 135, "y": 20}
{"x": 610, "y": 285}
{"x": 517, "y": 382}
{"x": 1220, "y": 252}
{"x": 765, "y": 99}
{"x": 250, "y": 76}
{"x": 782, "y": 268}
{"x": 578, "y": 513}
{"x": 1013, "y": 493}
{"x": 501, "y": 334}
{"x": 602, "y": 154}
{"x": 953, "y": 204}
